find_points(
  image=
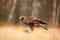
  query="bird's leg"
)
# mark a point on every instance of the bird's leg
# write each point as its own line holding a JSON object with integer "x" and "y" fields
{"x": 31, "y": 26}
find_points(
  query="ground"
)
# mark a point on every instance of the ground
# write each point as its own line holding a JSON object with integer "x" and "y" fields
{"x": 18, "y": 33}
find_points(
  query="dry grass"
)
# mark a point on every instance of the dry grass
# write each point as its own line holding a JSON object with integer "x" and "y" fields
{"x": 18, "y": 33}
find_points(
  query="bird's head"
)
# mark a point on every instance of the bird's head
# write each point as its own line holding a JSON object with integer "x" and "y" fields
{"x": 22, "y": 18}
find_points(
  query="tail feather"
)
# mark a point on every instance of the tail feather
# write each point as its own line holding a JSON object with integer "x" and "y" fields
{"x": 44, "y": 26}
{"x": 42, "y": 22}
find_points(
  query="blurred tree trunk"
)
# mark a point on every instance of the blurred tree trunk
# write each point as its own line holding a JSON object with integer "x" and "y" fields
{"x": 35, "y": 6}
{"x": 17, "y": 13}
{"x": 26, "y": 7}
{"x": 55, "y": 15}
{"x": 58, "y": 11}
{"x": 11, "y": 14}
{"x": 5, "y": 6}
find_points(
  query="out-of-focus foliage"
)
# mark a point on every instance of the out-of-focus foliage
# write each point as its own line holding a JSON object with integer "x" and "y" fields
{"x": 10, "y": 10}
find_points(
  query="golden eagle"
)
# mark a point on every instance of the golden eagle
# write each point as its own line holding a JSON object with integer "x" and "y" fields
{"x": 33, "y": 22}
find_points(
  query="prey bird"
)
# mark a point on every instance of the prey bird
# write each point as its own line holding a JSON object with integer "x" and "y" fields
{"x": 33, "y": 22}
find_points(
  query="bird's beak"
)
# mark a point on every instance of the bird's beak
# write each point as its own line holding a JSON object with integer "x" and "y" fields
{"x": 19, "y": 17}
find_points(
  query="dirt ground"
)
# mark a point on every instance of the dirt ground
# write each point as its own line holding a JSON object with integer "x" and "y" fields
{"x": 18, "y": 33}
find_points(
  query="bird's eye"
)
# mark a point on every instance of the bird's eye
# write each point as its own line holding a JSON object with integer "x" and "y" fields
{"x": 21, "y": 18}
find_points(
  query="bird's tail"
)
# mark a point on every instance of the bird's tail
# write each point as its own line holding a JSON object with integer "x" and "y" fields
{"x": 41, "y": 22}
{"x": 44, "y": 26}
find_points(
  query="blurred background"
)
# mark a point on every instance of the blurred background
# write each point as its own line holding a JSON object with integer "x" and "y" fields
{"x": 46, "y": 10}
{"x": 11, "y": 28}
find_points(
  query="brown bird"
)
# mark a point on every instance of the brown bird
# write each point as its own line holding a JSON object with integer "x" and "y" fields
{"x": 33, "y": 21}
